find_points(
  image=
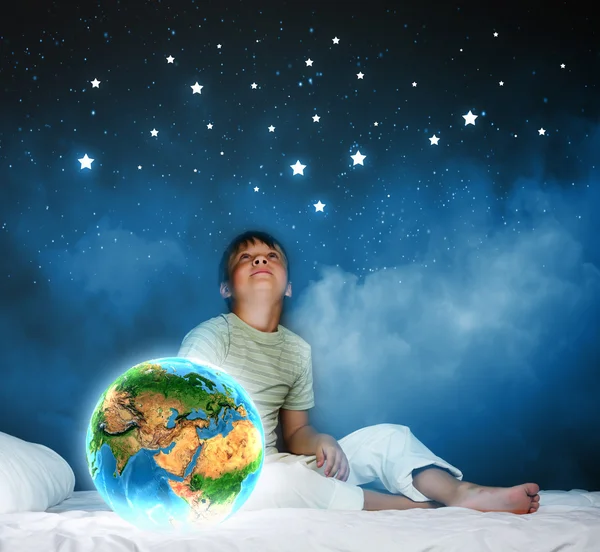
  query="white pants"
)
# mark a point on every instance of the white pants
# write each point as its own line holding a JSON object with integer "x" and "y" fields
{"x": 384, "y": 454}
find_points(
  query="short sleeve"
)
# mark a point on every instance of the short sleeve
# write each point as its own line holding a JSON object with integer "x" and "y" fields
{"x": 301, "y": 395}
{"x": 206, "y": 342}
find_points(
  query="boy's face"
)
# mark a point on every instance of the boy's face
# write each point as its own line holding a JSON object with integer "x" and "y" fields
{"x": 257, "y": 270}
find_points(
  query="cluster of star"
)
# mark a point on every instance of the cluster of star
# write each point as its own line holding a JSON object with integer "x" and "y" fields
{"x": 298, "y": 167}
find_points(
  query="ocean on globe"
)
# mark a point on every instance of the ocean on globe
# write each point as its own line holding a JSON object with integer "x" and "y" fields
{"x": 175, "y": 445}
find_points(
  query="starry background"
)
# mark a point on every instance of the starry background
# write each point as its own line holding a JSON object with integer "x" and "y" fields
{"x": 452, "y": 287}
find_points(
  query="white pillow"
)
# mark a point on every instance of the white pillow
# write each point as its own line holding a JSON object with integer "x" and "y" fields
{"x": 32, "y": 476}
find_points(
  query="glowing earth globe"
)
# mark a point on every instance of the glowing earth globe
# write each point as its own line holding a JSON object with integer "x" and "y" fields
{"x": 175, "y": 445}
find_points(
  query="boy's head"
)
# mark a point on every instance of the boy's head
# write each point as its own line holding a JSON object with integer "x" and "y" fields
{"x": 248, "y": 253}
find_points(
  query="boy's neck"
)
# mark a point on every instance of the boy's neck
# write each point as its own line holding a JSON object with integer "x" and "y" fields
{"x": 262, "y": 318}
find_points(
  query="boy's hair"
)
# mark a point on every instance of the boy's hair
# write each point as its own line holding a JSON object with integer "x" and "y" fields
{"x": 241, "y": 240}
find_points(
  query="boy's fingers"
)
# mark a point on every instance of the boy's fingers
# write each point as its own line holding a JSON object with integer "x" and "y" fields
{"x": 320, "y": 458}
{"x": 344, "y": 471}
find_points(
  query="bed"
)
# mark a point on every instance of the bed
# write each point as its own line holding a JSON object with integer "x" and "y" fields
{"x": 39, "y": 511}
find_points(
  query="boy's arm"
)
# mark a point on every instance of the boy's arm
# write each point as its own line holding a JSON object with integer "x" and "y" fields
{"x": 299, "y": 437}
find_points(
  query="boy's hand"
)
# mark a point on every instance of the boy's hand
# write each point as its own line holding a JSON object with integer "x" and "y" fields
{"x": 331, "y": 454}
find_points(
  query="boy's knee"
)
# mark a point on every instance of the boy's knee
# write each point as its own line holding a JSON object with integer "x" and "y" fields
{"x": 394, "y": 428}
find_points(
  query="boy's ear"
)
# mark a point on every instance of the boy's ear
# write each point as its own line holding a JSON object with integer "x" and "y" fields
{"x": 225, "y": 291}
{"x": 288, "y": 290}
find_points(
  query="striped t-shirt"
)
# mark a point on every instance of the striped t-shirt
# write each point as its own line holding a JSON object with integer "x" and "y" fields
{"x": 275, "y": 368}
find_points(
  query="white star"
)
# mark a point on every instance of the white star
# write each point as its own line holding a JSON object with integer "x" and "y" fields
{"x": 197, "y": 88}
{"x": 470, "y": 118}
{"x": 336, "y": 40}
{"x": 219, "y": 46}
{"x": 414, "y": 84}
{"x": 316, "y": 119}
{"x": 360, "y": 75}
{"x": 222, "y": 153}
{"x": 170, "y": 59}
{"x": 271, "y": 128}
{"x": 254, "y": 86}
{"x": 542, "y": 131}
{"x": 358, "y": 158}
{"x": 309, "y": 62}
{"x": 501, "y": 83}
{"x": 256, "y": 188}
{"x": 375, "y": 123}
{"x": 209, "y": 126}
{"x": 319, "y": 206}
{"x": 86, "y": 162}
{"x": 95, "y": 83}
{"x": 298, "y": 168}
{"x": 139, "y": 167}
{"x": 154, "y": 132}
{"x": 562, "y": 65}
{"x": 434, "y": 140}
{"x": 496, "y": 35}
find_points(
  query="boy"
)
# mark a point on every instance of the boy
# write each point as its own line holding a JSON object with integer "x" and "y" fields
{"x": 275, "y": 367}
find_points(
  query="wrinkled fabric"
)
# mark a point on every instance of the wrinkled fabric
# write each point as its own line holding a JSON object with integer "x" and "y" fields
{"x": 383, "y": 455}
{"x": 565, "y": 521}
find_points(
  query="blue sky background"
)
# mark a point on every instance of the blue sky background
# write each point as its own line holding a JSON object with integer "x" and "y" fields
{"x": 451, "y": 287}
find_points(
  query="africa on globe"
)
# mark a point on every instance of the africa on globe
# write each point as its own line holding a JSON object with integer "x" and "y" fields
{"x": 174, "y": 444}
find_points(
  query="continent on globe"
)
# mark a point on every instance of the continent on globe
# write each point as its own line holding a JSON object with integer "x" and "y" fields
{"x": 174, "y": 443}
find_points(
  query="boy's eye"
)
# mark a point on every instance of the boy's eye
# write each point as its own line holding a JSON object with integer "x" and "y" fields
{"x": 246, "y": 255}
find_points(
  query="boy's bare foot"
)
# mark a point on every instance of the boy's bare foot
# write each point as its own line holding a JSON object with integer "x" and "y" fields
{"x": 520, "y": 499}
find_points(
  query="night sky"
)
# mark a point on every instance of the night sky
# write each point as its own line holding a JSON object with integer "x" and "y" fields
{"x": 440, "y": 217}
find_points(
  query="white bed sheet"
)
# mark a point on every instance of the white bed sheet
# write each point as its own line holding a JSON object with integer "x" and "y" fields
{"x": 566, "y": 521}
